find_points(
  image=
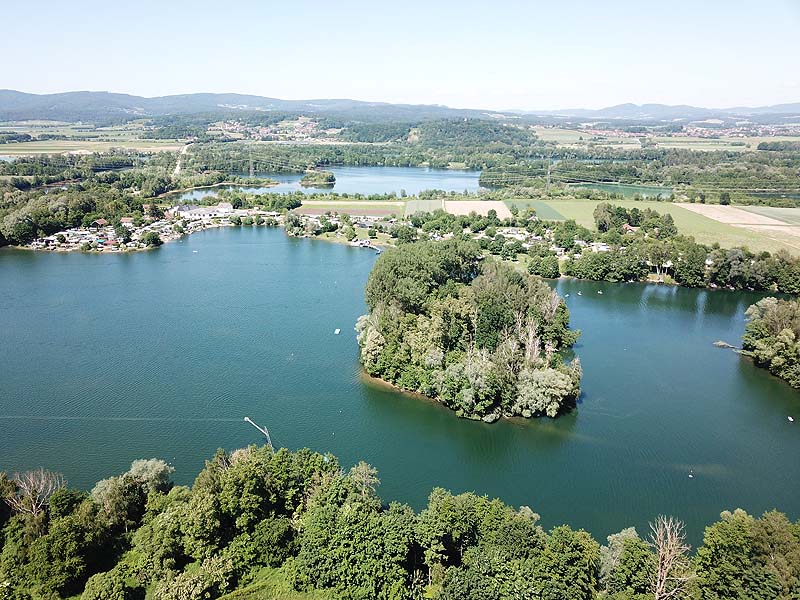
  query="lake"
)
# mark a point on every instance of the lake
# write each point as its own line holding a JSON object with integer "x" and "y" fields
{"x": 359, "y": 180}
{"x": 109, "y": 358}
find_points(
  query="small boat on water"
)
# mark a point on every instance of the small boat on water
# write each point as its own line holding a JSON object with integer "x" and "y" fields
{"x": 599, "y": 291}
{"x": 580, "y": 293}
{"x": 791, "y": 419}
{"x": 337, "y": 331}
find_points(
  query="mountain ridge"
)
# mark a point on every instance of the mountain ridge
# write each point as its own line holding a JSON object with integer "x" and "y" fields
{"x": 92, "y": 105}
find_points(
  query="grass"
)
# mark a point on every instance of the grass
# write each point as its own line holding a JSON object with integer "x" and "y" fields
{"x": 61, "y": 146}
{"x": 413, "y": 206}
{"x": 790, "y": 216}
{"x": 703, "y": 229}
{"x": 571, "y": 137}
{"x": 270, "y": 584}
{"x": 378, "y": 209}
{"x": 543, "y": 210}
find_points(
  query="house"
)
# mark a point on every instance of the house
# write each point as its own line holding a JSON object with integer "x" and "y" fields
{"x": 99, "y": 223}
{"x": 628, "y": 228}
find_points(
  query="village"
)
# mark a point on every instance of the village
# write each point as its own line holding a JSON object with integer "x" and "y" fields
{"x": 370, "y": 231}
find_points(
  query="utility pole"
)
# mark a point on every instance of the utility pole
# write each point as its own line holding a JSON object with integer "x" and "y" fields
{"x": 263, "y": 430}
{"x": 549, "y": 162}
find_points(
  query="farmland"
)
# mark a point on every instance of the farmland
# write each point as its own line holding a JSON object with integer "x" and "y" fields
{"x": 705, "y": 229}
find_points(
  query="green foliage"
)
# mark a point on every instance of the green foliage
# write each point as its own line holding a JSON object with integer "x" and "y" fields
{"x": 772, "y": 335}
{"x": 294, "y": 525}
{"x": 151, "y": 238}
{"x": 743, "y": 557}
{"x": 486, "y": 342}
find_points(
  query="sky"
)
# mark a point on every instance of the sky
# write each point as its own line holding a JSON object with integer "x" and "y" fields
{"x": 496, "y": 54}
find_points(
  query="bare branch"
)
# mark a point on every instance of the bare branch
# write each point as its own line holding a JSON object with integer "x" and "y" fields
{"x": 32, "y": 490}
{"x": 673, "y": 568}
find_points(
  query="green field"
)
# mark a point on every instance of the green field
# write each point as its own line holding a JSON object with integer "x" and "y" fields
{"x": 61, "y": 146}
{"x": 703, "y": 229}
{"x": 790, "y": 216}
{"x": 377, "y": 209}
{"x": 413, "y": 206}
{"x": 571, "y": 137}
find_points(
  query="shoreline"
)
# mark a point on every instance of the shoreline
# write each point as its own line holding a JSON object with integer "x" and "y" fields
{"x": 263, "y": 183}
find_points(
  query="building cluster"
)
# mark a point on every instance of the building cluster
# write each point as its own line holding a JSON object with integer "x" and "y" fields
{"x": 102, "y": 236}
{"x": 292, "y": 130}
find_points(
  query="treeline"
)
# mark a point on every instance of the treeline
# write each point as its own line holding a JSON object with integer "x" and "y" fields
{"x": 782, "y": 146}
{"x": 322, "y": 530}
{"x": 698, "y": 175}
{"x": 484, "y": 339}
{"x": 772, "y": 337}
{"x": 626, "y": 252}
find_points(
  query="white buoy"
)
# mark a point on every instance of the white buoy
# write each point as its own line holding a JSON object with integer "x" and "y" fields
{"x": 336, "y": 331}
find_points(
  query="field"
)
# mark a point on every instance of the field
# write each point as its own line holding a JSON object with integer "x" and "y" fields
{"x": 481, "y": 207}
{"x": 414, "y": 206}
{"x": 779, "y": 225}
{"x": 85, "y": 147}
{"x": 790, "y": 216}
{"x": 572, "y": 137}
{"x": 373, "y": 209}
{"x": 703, "y": 227}
{"x": 80, "y": 138}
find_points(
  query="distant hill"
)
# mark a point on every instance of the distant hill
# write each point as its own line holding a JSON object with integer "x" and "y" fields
{"x": 106, "y": 106}
{"x": 666, "y": 112}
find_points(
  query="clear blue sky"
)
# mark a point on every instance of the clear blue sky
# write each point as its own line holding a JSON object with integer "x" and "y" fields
{"x": 494, "y": 54}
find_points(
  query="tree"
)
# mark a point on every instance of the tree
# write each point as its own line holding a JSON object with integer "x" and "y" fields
{"x": 151, "y": 238}
{"x": 672, "y": 569}
{"x": 32, "y": 490}
{"x": 725, "y": 198}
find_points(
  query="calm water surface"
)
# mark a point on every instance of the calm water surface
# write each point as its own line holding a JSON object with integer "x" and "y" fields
{"x": 361, "y": 180}
{"x": 109, "y": 358}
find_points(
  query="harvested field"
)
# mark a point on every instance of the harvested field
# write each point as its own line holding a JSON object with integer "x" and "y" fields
{"x": 785, "y": 232}
{"x": 481, "y": 207}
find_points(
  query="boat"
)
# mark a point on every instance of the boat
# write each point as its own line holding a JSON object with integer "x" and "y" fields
{"x": 580, "y": 294}
{"x": 337, "y": 331}
{"x": 599, "y": 291}
{"x": 791, "y": 419}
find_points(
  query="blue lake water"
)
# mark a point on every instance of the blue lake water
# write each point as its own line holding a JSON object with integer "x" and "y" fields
{"x": 361, "y": 180}
{"x": 108, "y": 358}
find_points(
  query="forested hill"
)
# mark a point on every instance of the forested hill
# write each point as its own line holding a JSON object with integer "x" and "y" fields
{"x": 105, "y": 106}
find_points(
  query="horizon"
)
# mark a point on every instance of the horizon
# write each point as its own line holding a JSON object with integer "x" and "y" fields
{"x": 346, "y": 99}
{"x": 521, "y": 58}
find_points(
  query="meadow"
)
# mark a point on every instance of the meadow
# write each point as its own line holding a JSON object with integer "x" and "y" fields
{"x": 704, "y": 229}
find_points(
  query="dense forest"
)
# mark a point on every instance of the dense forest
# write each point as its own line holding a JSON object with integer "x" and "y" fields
{"x": 772, "y": 337}
{"x": 256, "y": 516}
{"x": 481, "y": 337}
